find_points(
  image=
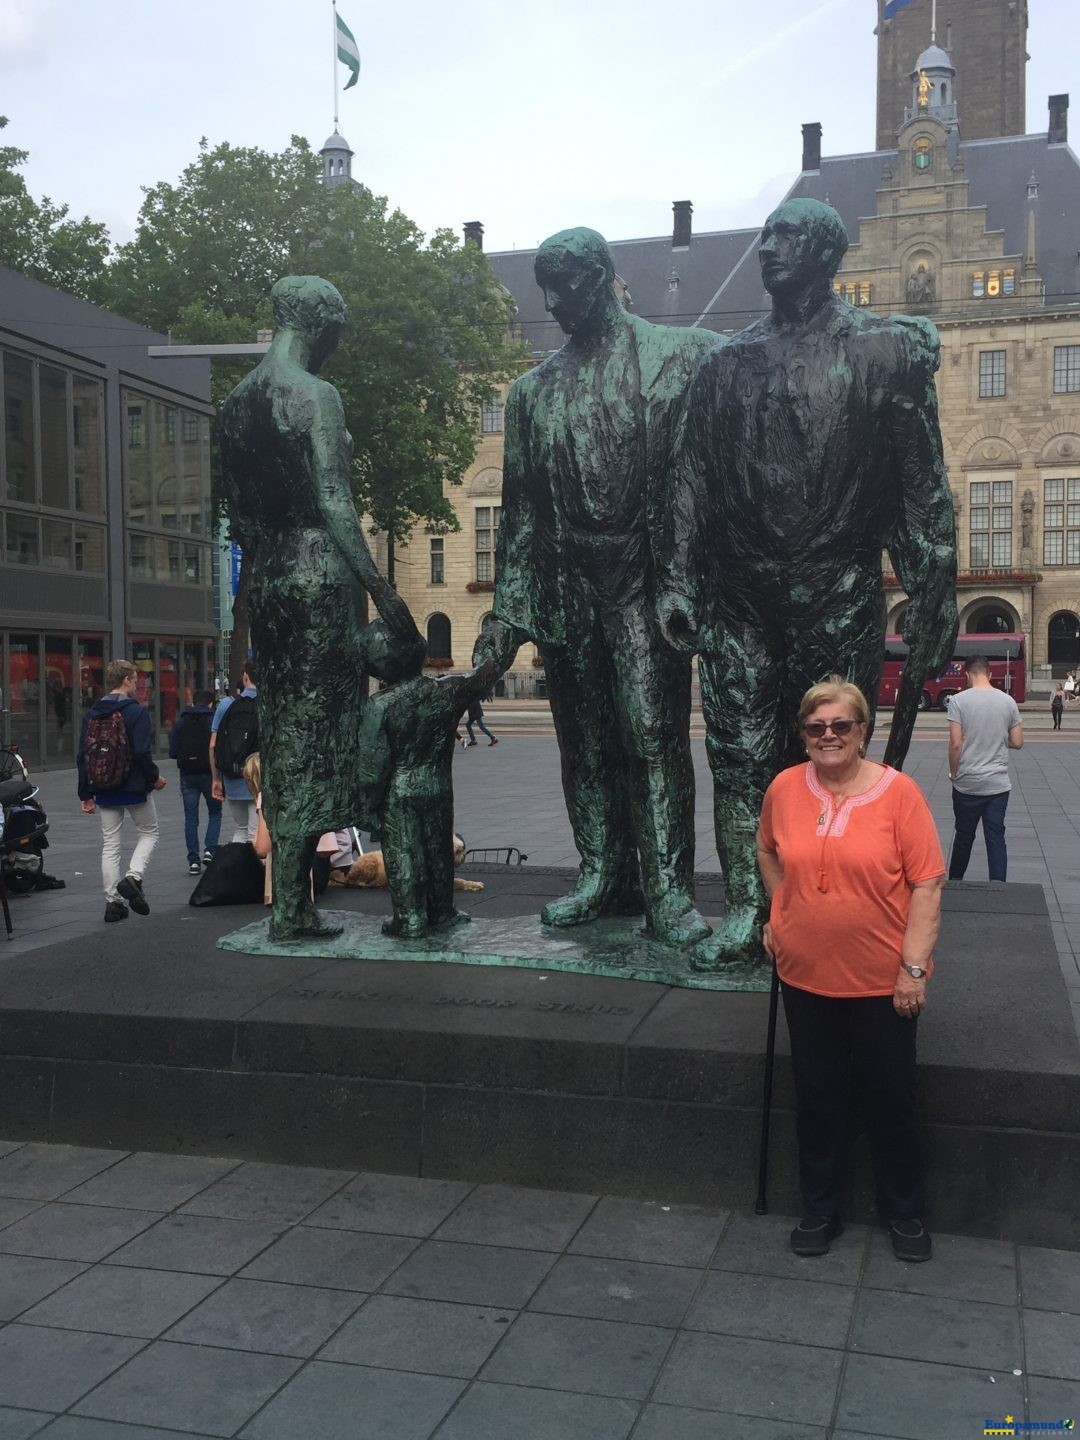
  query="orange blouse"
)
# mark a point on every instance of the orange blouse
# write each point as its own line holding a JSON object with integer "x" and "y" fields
{"x": 839, "y": 914}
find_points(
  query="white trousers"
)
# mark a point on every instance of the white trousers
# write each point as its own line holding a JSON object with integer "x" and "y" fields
{"x": 245, "y": 820}
{"x": 112, "y": 822}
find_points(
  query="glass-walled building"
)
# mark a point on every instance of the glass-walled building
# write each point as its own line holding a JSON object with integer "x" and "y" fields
{"x": 104, "y": 518}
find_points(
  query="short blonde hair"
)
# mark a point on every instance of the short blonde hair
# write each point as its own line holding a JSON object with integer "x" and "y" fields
{"x": 832, "y": 691}
{"x": 253, "y": 774}
{"x": 117, "y": 671}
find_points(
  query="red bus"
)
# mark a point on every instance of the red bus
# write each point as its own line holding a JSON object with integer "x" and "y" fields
{"x": 1005, "y": 652}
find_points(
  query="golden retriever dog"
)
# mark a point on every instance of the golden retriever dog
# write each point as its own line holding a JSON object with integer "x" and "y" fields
{"x": 369, "y": 871}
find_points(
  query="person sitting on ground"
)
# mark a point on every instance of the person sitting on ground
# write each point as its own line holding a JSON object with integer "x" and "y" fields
{"x": 332, "y": 848}
{"x": 850, "y": 858}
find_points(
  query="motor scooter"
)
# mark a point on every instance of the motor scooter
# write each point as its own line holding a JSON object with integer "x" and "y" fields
{"x": 23, "y": 826}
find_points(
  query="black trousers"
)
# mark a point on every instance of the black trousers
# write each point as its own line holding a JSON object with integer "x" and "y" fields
{"x": 848, "y": 1054}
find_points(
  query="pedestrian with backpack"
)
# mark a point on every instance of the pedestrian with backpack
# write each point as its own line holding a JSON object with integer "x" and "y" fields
{"x": 189, "y": 746}
{"x": 117, "y": 774}
{"x": 234, "y": 735}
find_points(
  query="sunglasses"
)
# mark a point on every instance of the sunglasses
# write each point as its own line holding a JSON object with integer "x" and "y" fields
{"x": 817, "y": 728}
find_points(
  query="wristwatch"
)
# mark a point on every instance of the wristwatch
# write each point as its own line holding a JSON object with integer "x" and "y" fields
{"x": 917, "y": 972}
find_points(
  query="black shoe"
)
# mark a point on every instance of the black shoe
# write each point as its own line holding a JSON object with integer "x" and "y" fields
{"x": 470, "y": 743}
{"x": 130, "y": 887}
{"x": 207, "y": 856}
{"x": 115, "y": 910}
{"x": 910, "y": 1240}
{"x": 815, "y": 1233}
{"x": 195, "y": 868}
{"x": 49, "y": 882}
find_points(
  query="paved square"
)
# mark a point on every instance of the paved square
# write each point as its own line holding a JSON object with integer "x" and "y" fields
{"x": 209, "y": 1325}
{"x": 148, "y": 1296}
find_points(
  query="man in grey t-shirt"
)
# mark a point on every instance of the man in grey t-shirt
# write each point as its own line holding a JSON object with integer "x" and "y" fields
{"x": 984, "y": 725}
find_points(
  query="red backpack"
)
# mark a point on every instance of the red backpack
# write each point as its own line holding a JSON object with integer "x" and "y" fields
{"x": 108, "y": 751}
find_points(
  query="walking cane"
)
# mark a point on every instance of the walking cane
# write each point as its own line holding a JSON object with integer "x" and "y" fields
{"x": 761, "y": 1204}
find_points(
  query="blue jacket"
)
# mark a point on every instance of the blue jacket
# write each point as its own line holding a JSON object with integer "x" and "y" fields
{"x": 143, "y": 773}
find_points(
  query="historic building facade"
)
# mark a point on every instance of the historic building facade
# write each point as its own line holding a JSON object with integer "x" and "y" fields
{"x": 981, "y": 236}
{"x": 447, "y": 580}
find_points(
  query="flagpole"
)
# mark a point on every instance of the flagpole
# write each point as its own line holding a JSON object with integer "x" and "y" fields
{"x": 933, "y": 22}
{"x": 333, "y": 57}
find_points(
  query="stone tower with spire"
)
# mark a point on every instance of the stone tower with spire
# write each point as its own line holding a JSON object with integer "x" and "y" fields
{"x": 987, "y": 41}
{"x": 929, "y": 248}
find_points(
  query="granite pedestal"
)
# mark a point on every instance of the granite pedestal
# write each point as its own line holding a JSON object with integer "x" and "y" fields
{"x": 150, "y": 1037}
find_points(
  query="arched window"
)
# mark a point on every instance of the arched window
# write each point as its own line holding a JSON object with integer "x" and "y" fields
{"x": 897, "y": 626}
{"x": 1063, "y": 643}
{"x": 944, "y": 93}
{"x": 990, "y": 620}
{"x": 438, "y": 638}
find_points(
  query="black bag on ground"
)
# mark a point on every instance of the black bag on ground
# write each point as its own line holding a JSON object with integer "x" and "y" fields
{"x": 235, "y": 876}
{"x": 237, "y": 736}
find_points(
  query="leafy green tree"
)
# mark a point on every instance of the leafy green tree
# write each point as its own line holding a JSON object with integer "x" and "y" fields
{"x": 430, "y": 323}
{"x": 38, "y": 239}
{"x": 208, "y": 248}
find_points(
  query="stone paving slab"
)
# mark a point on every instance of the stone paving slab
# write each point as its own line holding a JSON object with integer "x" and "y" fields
{"x": 636, "y": 1319}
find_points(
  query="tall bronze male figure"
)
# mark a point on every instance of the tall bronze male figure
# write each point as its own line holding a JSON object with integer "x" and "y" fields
{"x": 286, "y": 457}
{"x": 808, "y": 444}
{"x": 587, "y": 445}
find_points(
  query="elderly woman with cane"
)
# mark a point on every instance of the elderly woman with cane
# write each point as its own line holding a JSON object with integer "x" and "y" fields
{"x": 850, "y": 858}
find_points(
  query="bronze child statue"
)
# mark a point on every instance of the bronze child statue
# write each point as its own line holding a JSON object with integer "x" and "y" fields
{"x": 405, "y": 750}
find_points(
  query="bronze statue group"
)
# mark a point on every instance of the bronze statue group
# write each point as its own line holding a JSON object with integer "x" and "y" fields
{"x": 666, "y": 491}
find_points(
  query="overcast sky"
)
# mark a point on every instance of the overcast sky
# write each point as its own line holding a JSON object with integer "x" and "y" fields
{"x": 526, "y": 116}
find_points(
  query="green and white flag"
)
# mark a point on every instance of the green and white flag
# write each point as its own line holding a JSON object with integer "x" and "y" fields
{"x": 348, "y": 52}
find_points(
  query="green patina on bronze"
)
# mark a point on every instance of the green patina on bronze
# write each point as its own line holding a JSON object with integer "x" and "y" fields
{"x": 584, "y": 487}
{"x": 286, "y": 458}
{"x": 614, "y": 947}
{"x": 807, "y": 444}
{"x": 405, "y": 751}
